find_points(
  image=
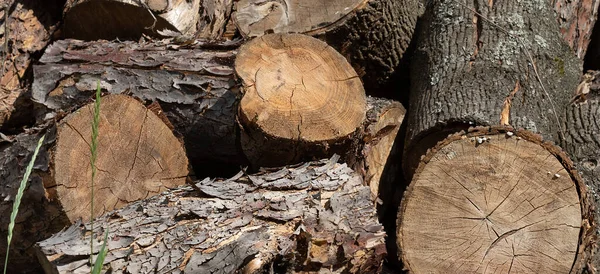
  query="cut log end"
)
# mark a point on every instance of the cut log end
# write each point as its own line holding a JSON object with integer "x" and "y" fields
{"x": 498, "y": 202}
{"x": 298, "y": 89}
{"x": 138, "y": 156}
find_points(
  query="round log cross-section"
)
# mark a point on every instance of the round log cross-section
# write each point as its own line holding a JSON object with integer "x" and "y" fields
{"x": 492, "y": 202}
{"x": 300, "y": 95}
{"x": 138, "y": 156}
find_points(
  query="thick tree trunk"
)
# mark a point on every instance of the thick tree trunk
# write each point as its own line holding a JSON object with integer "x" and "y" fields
{"x": 491, "y": 199}
{"x": 576, "y": 20}
{"x": 582, "y": 143}
{"x": 372, "y": 34}
{"x": 197, "y": 88}
{"x": 468, "y": 70}
{"x": 129, "y": 19}
{"x": 137, "y": 157}
{"x": 28, "y": 29}
{"x": 313, "y": 217}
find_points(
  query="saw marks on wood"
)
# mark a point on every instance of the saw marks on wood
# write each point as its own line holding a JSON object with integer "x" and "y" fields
{"x": 505, "y": 205}
{"x": 253, "y": 17}
{"x": 138, "y": 156}
{"x": 297, "y": 91}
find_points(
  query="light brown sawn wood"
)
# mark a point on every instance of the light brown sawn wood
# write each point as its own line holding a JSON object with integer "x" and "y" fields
{"x": 489, "y": 203}
{"x": 138, "y": 157}
{"x": 298, "y": 92}
{"x": 372, "y": 34}
{"x": 128, "y": 19}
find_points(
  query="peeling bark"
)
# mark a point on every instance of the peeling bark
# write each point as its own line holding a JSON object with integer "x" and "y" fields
{"x": 29, "y": 28}
{"x": 577, "y": 19}
{"x": 313, "y": 217}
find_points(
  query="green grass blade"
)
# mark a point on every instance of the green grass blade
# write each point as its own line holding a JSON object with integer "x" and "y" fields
{"x": 101, "y": 256}
{"x": 15, "y": 210}
{"x": 94, "y": 155}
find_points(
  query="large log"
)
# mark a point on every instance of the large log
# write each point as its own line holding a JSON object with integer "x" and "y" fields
{"x": 582, "y": 143}
{"x": 200, "y": 94}
{"x": 495, "y": 200}
{"x": 468, "y": 69}
{"x": 26, "y": 28}
{"x": 482, "y": 195}
{"x": 137, "y": 157}
{"x": 308, "y": 218}
{"x": 372, "y": 34}
{"x": 129, "y": 19}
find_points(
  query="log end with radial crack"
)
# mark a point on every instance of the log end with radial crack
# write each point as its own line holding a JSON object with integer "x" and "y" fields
{"x": 582, "y": 143}
{"x": 128, "y": 19}
{"x": 137, "y": 157}
{"x": 494, "y": 200}
{"x": 301, "y": 99}
{"x": 371, "y": 34}
{"x": 309, "y": 217}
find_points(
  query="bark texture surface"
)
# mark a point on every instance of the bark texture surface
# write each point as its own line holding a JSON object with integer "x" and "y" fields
{"x": 194, "y": 86}
{"x": 314, "y": 217}
{"x": 372, "y": 34}
{"x": 488, "y": 63}
{"x": 129, "y": 19}
{"x": 23, "y": 36}
{"x": 582, "y": 143}
{"x": 576, "y": 19}
{"x": 38, "y": 216}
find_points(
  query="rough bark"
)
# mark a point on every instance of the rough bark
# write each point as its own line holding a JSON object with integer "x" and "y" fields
{"x": 576, "y": 20}
{"x": 129, "y": 19}
{"x": 582, "y": 143}
{"x": 28, "y": 30}
{"x": 372, "y": 34}
{"x": 314, "y": 217}
{"x": 495, "y": 200}
{"x": 487, "y": 63}
{"x": 195, "y": 87}
{"x": 137, "y": 157}
{"x": 214, "y": 19}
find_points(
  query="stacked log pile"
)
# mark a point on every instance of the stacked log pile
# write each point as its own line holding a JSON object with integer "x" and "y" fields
{"x": 494, "y": 169}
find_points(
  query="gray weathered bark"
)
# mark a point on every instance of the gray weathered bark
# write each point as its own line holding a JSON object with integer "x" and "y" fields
{"x": 582, "y": 143}
{"x": 316, "y": 216}
{"x": 469, "y": 71}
